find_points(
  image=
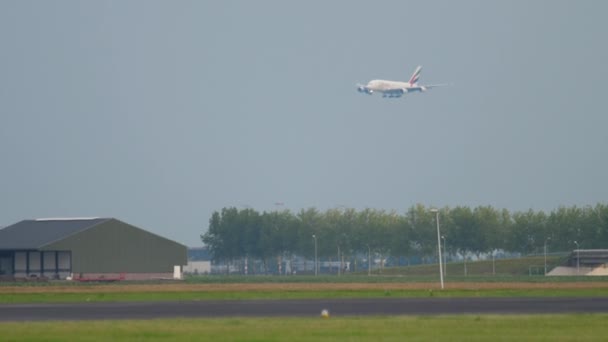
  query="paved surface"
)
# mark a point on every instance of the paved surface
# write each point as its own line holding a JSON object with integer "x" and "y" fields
{"x": 405, "y": 306}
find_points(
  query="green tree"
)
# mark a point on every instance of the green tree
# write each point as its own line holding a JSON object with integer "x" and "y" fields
{"x": 423, "y": 230}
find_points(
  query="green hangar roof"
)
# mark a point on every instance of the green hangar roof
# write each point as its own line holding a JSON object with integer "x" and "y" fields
{"x": 35, "y": 234}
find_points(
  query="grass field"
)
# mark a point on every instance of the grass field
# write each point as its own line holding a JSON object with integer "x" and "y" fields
{"x": 244, "y": 291}
{"x": 393, "y": 328}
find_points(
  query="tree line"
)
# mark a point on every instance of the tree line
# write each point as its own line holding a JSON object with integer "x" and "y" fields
{"x": 235, "y": 234}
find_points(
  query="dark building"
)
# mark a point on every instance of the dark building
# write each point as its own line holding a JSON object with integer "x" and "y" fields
{"x": 90, "y": 248}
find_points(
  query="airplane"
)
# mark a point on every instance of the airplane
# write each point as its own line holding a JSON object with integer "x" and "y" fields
{"x": 395, "y": 88}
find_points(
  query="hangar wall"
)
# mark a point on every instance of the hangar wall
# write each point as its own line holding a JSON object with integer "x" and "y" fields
{"x": 115, "y": 247}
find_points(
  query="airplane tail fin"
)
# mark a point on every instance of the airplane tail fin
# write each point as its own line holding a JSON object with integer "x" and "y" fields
{"x": 415, "y": 76}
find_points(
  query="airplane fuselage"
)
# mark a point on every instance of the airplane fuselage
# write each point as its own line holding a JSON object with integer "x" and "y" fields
{"x": 391, "y": 88}
{"x": 396, "y": 88}
{"x": 386, "y": 86}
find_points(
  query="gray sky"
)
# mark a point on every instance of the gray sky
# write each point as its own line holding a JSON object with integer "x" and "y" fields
{"x": 160, "y": 112}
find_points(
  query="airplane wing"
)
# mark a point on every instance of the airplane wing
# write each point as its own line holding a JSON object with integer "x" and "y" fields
{"x": 395, "y": 91}
{"x": 429, "y": 86}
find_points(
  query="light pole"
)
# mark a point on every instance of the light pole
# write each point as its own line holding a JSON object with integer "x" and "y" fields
{"x": 434, "y": 210}
{"x": 494, "y": 262}
{"x": 547, "y": 239}
{"x": 315, "y": 238}
{"x": 369, "y": 261}
{"x": 445, "y": 258}
{"x": 339, "y": 263}
{"x": 577, "y": 259}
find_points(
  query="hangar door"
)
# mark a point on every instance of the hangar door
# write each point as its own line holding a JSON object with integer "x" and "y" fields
{"x": 51, "y": 264}
{"x": 6, "y": 263}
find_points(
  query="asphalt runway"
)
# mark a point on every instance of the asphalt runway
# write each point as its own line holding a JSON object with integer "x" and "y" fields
{"x": 301, "y": 308}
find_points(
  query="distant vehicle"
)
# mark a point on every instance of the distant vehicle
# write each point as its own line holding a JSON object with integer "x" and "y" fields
{"x": 397, "y": 88}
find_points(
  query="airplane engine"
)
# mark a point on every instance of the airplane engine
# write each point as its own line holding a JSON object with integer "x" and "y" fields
{"x": 363, "y": 89}
{"x": 423, "y": 88}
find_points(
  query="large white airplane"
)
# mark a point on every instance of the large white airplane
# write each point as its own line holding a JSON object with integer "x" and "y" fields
{"x": 396, "y": 88}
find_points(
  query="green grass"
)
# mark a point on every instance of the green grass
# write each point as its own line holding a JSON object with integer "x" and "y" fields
{"x": 8, "y": 298}
{"x": 581, "y": 327}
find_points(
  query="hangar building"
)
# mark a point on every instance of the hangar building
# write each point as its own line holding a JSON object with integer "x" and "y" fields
{"x": 86, "y": 248}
